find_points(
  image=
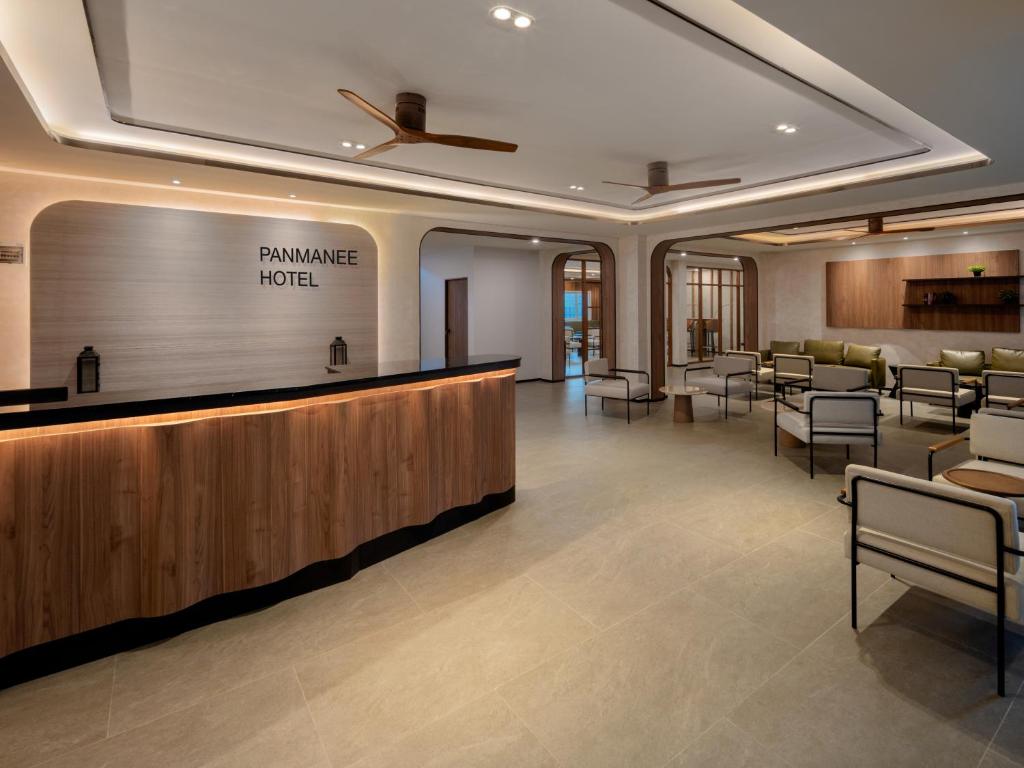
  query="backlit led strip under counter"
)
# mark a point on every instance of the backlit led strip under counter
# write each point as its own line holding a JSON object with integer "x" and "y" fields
{"x": 143, "y": 511}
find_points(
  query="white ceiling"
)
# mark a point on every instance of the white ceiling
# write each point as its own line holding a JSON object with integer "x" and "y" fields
{"x": 265, "y": 72}
{"x": 595, "y": 89}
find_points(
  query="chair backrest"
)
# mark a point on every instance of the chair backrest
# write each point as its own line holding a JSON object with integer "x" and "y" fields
{"x": 836, "y": 378}
{"x": 997, "y": 433}
{"x": 793, "y": 365}
{"x": 941, "y": 516}
{"x": 1006, "y": 359}
{"x": 929, "y": 377}
{"x": 754, "y": 356}
{"x": 842, "y": 410}
{"x": 726, "y": 366}
{"x": 597, "y": 365}
{"x": 1003, "y": 383}
{"x": 970, "y": 362}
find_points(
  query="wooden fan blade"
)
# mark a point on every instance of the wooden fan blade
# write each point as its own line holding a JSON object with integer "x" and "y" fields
{"x": 697, "y": 185}
{"x": 378, "y": 149}
{"x": 371, "y": 110}
{"x": 646, "y": 196}
{"x": 624, "y": 184}
{"x": 465, "y": 142}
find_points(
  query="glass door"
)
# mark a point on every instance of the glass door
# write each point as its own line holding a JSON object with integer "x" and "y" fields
{"x": 715, "y": 323}
{"x": 582, "y": 298}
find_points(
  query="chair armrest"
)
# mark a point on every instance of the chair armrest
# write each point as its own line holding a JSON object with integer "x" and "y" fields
{"x": 949, "y": 443}
{"x": 1018, "y": 404}
{"x": 788, "y": 404}
{"x": 604, "y": 376}
{"x": 933, "y": 449}
{"x": 631, "y": 370}
{"x": 695, "y": 368}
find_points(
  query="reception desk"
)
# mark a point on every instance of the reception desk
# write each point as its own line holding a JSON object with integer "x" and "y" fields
{"x": 124, "y": 519}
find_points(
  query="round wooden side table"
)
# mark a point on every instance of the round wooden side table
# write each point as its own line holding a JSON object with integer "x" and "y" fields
{"x": 994, "y": 483}
{"x": 682, "y": 409}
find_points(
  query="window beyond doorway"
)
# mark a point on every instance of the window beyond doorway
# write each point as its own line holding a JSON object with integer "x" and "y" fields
{"x": 581, "y": 296}
{"x": 715, "y": 319}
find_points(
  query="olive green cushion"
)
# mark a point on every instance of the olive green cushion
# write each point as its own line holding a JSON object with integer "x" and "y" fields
{"x": 860, "y": 356}
{"x": 968, "y": 362}
{"x": 785, "y": 348}
{"x": 824, "y": 352}
{"x": 1004, "y": 359}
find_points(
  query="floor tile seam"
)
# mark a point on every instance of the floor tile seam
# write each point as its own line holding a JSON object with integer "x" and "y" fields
{"x": 525, "y": 725}
{"x": 691, "y": 742}
{"x": 562, "y": 602}
{"x": 394, "y": 577}
{"x": 177, "y": 711}
{"x": 764, "y": 747}
{"x": 799, "y": 653}
{"x": 312, "y": 720}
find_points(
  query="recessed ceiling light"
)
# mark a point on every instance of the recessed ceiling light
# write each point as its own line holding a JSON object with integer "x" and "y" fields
{"x": 683, "y": 253}
{"x": 360, "y": 146}
{"x": 854, "y": 242}
{"x": 522, "y": 21}
{"x": 175, "y": 181}
{"x": 735, "y": 258}
{"x": 782, "y": 127}
{"x": 791, "y": 129}
{"x": 501, "y": 13}
{"x": 535, "y": 240}
{"x": 906, "y": 237}
{"x": 579, "y": 188}
{"x": 965, "y": 232}
{"x": 573, "y": 186}
{"x": 346, "y": 144}
{"x": 291, "y": 196}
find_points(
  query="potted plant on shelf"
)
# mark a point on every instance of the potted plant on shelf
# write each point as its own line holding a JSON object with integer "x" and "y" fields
{"x": 1009, "y": 296}
{"x": 976, "y": 269}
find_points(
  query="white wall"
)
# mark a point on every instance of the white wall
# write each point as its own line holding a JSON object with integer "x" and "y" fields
{"x": 792, "y": 297}
{"x": 505, "y": 301}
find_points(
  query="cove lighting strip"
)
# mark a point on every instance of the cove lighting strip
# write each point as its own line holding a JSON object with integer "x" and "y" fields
{"x": 67, "y": 95}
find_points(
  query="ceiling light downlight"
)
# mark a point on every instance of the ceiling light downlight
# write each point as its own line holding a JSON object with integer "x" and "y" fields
{"x": 176, "y": 182}
{"x": 788, "y": 128}
{"x": 501, "y": 13}
{"x": 535, "y": 240}
{"x": 523, "y": 21}
{"x": 504, "y": 14}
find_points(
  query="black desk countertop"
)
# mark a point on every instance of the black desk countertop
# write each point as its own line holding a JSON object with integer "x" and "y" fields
{"x": 100, "y": 406}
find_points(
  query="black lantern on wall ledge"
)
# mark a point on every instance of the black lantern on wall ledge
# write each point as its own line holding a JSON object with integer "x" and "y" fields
{"x": 88, "y": 365}
{"x": 339, "y": 351}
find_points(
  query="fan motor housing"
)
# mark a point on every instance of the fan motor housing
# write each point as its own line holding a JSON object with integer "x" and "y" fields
{"x": 411, "y": 111}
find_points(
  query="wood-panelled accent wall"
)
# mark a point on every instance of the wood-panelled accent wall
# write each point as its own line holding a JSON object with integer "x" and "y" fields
{"x": 870, "y": 293}
{"x": 107, "y": 521}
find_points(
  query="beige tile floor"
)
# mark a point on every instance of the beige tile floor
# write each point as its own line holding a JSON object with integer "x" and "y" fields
{"x": 660, "y": 594}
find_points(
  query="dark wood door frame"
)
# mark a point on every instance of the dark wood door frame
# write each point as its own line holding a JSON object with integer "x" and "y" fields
{"x": 607, "y": 258}
{"x": 456, "y": 319}
{"x": 658, "y": 316}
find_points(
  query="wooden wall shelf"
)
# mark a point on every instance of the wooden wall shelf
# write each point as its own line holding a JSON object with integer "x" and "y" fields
{"x": 890, "y": 293}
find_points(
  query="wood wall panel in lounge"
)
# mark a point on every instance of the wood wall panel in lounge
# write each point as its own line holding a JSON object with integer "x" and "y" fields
{"x": 870, "y": 293}
{"x": 144, "y": 516}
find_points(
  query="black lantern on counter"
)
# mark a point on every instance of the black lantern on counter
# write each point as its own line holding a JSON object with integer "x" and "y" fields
{"x": 339, "y": 351}
{"x": 88, "y": 371}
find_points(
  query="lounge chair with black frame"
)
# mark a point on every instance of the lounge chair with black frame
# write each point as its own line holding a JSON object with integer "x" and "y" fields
{"x": 791, "y": 372}
{"x": 957, "y": 543}
{"x": 609, "y": 383}
{"x": 1002, "y": 387}
{"x": 996, "y": 442}
{"x": 730, "y": 377}
{"x": 830, "y": 418}
{"x": 931, "y": 385}
{"x": 761, "y": 375}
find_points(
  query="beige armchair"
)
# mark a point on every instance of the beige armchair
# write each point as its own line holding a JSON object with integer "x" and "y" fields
{"x": 792, "y": 371}
{"x": 996, "y": 441}
{"x": 931, "y": 385}
{"x": 760, "y": 375}
{"x": 948, "y": 540}
{"x": 1003, "y": 388}
{"x": 730, "y": 377}
{"x": 835, "y": 378}
{"x": 830, "y": 418}
{"x": 616, "y": 384}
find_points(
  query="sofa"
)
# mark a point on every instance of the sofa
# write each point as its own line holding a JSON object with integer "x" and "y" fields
{"x": 971, "y": 362}
{"x": 827, "y": 352}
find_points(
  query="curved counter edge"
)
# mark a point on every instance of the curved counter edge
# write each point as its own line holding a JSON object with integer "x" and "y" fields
{"x": 57, "y": 655}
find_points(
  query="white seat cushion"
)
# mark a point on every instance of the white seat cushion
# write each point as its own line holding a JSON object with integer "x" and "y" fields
{"x": 955, "y": 590}
{"x": 616, "y": 388}
{"x": 715, "y": 385}
{"x": 937, "y": 396}
{"x": 799, "y": 425}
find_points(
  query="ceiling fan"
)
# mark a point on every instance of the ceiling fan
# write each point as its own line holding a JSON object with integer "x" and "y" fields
{"x": 876, "y": 226}
{"x": 409, "y": 126}
{"x": 657, "y": 182}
